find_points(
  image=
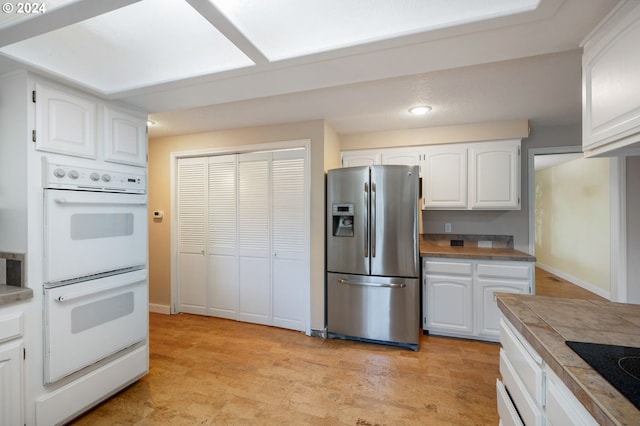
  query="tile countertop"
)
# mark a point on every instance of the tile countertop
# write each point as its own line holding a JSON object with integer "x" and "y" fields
{"x": 547, "y": 322}
{"x": 12, "y": 293}
{"x": 430, "y": 248}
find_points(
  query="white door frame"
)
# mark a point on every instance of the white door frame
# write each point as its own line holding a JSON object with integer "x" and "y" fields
{"x": 271, "y": 146}
{"x": 618, "y": 214}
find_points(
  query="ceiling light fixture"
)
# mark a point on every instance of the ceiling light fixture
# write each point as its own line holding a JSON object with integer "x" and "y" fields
{"x": 150, "y": 123}
{"x": 419, "y": 110}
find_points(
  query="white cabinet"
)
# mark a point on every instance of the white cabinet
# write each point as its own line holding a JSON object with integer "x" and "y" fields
{"x": 125, "y": 136}
{"x": 494, "y": 175}
{"x": 448, "y": 297}
{"x": 444, "y": 183}
{"x": 498, "y": 277}
{"x": 481, "y": 175}
{"x": 611, "y": 84}
{"x": 360, "y": 158}
{"x": 65, "y": 122}
{"x": 11, "y": 369}
{"x": 458, "y": 295}
{"x": 530, "y": 393}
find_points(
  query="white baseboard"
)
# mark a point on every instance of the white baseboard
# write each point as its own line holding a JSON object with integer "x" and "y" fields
{"x": 577, "y": 281}
{"x": 160, "y": 309}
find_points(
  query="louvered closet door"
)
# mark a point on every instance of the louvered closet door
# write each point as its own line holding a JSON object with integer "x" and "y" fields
{"x": 192, "y": 213}
{"x": 222, "y": 236}
{"x": 254, "y": 206}
{"x": 290, "y": 272}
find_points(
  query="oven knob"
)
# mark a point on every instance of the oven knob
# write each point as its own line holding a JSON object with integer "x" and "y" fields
{"x": 73, "y": 174}
{"x": 94, "y": 176}
{"x": 106, "y": 177}
{"x": 59, "y": 173}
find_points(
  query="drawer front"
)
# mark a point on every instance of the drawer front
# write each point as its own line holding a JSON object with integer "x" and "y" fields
{"x": 563, "y": 408}
{"x": 457, "y": 268}
{"x": 529, "y": 411}
{"x": 507, "y": 412}
{"x": 11, "y": 327}
{"x": 528, "y": 368}
{"x": 500, "y": 270}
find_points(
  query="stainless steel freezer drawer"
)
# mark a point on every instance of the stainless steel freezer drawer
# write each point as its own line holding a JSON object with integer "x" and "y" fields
{"x": 375, "y": 308}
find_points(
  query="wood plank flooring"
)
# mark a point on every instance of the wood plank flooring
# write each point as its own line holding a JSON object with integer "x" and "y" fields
{"x": 209, "y": 371}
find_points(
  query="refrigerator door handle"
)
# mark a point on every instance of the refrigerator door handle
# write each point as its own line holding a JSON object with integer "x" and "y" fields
{"x": 366, "y": 219}
{"x": 366, "y": 284}
{"x": 373, "y": 219}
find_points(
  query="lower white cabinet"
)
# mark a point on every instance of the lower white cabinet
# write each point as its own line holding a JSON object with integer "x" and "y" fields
{"x": 530, "y": 393}
{"x": 11, "y": 369}
{"x": 458, "y": 295}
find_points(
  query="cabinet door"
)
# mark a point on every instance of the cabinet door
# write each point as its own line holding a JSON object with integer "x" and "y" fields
{"x": 495, "y": 175}
{"x": 449, "y": 304}
{"x": 192, "y": 234}
{"x": 360, "y": 158}
{"x": 125, "y": 137}
{"x": 11, "y": 403}
{"x": 444, "y": 180}
{"x": 290, "y": 237}
{"x": 222, "y": 241}
{"x": 65, "y": 123}
{"x": 486, "y": 309}
{"x": 611, "y": 83}
{"x": 254, "y": 243}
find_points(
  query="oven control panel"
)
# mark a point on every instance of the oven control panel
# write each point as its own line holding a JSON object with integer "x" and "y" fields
{"x": 59, "y": 176}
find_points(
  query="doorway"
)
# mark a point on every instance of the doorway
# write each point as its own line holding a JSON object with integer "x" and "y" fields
{"x": 573, "y": 217}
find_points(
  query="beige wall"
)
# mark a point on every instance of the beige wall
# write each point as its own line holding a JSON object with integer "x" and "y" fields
{"x": 572, "y": 217}
{"x": 160, "y": 150}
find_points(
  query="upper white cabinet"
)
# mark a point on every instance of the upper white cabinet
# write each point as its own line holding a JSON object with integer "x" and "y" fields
{"x": 125, "y": 136}
{"x": 71, "y": 123}
{"x": 65, "y": 122}
{"x": 360, "y": 158}
{"x": 494, "y": 175}
{"x": 444, "y": 183}
{"x": 611, "y": 84}
{"x": 408, "y": 156}
{"x": 481, "y": 175}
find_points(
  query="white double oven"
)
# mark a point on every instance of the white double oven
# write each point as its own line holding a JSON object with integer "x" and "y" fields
{"x": 95, "y": 257}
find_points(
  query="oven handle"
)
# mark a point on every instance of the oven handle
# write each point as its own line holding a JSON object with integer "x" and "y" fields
{"x": 128, "y": 203}
{"x": 79, "y": 294}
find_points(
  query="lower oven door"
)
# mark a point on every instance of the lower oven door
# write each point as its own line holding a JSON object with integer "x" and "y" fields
{"x": 89, "y": 321}
{"x": 90, "y": 233}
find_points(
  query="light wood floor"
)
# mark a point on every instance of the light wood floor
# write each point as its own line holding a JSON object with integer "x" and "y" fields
{"x": 208, "y": 371}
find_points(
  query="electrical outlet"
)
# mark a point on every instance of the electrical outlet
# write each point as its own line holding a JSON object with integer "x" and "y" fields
{"x": 447, "y": 227}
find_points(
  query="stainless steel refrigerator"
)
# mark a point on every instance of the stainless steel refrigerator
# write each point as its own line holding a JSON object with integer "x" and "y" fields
{"x": 373, "y": 285}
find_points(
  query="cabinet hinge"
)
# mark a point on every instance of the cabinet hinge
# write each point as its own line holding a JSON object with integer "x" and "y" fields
{"x": 33, "y": 96}
{"x": 24, "y": 353}
{"x": 33, "y": 135}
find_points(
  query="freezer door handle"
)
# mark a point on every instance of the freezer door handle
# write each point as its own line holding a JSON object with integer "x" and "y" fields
{"x": 366, "y": 284}
{"x": 366, "y": 219}
{"x": 373, "y": 219}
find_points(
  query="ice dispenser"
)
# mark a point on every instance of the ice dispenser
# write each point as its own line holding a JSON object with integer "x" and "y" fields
{"x": 342, "y": 220}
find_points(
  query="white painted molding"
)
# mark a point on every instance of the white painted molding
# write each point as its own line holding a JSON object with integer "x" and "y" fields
{"x": 618, "y": 218}
{"x": 160, "y": 309}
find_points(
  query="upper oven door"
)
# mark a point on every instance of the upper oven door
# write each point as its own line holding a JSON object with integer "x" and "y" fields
{"x": 89, "y": 233}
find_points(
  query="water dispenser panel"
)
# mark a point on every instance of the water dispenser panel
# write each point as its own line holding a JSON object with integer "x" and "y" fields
{"x": 342, "y": 215}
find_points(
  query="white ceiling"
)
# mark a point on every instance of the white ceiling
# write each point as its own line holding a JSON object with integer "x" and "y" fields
{"x": 199, "y": 65}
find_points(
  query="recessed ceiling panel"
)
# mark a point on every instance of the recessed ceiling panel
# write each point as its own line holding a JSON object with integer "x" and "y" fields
{"x": 146, "y": 43}
{"x": 284, "y": 29}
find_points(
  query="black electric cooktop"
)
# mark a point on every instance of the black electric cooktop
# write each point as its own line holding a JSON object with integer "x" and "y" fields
{"x": 620, "y": 365}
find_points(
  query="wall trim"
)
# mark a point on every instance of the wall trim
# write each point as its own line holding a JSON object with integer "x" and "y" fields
{"x": 618, "y": 213}
{"x": 160, "y": 309}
